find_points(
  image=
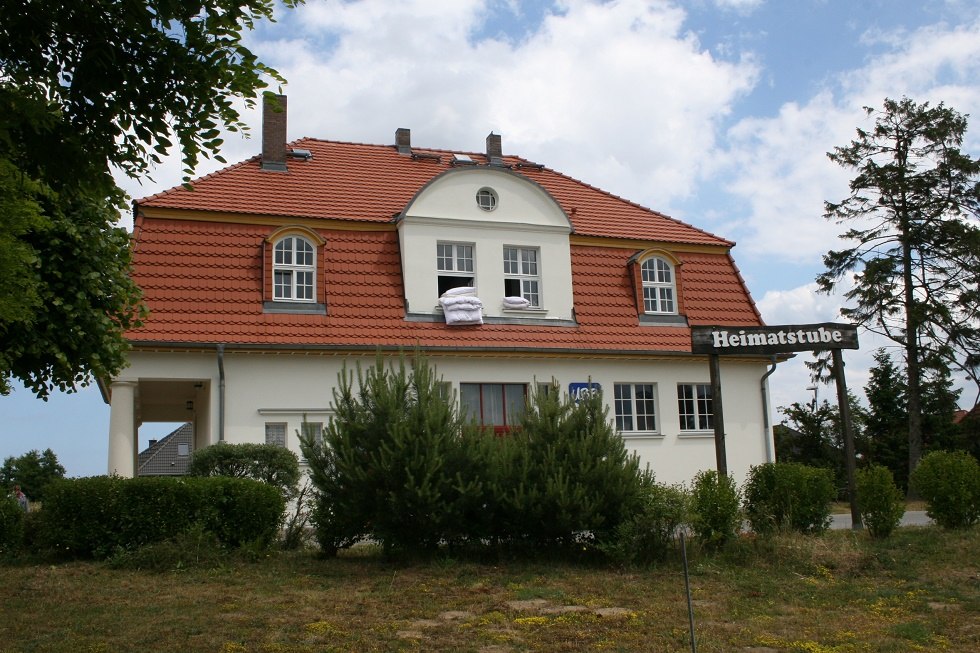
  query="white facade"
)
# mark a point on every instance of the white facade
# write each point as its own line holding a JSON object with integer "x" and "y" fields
{"x": 285, "y": 388}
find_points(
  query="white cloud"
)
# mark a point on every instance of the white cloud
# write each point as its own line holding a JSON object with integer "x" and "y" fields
{"x": 619, "y": 93}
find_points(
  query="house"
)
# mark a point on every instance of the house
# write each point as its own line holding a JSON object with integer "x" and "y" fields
{"x": 270, "y": 275}
{"x": 168, "y": 456}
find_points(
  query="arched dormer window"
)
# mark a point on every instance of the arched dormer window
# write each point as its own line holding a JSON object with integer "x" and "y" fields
{"x": 659, "y": 286}
{"x": 294, "y": 270}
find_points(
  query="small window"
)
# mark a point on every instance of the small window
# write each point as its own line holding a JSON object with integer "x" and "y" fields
{"x": 294, "y": 270}
{"x": 695, "y": 407}
{"x": 312, "y": 430}
{"x": 522, "y": 274}
{"x": 486, "y": 199}
{"x": 454, "y": 265}
{"x": 183, "y": 449}
{"x": 275, "y": 433}
{"x": 659, "y": 290}
{"x": 499, "y": 405}
{"x": 636, "y": 407}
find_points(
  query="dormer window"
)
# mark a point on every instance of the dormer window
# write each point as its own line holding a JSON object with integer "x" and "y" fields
{"x": 294, "y": 270}
{"x": 522, "y": 278}
{"x": 659, "y": 287}
{"x": 454, "y": 265}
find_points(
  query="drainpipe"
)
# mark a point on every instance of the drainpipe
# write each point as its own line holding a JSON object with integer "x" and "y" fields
{"x": 221, "y": 393}
{"x": 765, "y": 411}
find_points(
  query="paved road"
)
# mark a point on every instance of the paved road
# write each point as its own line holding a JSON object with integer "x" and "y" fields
{"x": 911, "y": 518}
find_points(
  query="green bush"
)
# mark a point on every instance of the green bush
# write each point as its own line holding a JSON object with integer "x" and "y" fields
{"x": 100, "y": 516}
{"x": 268, "y": 463}
{"x": 398, "y": 464}
{"x": 392, "y": 465}
{"x": 11, "y": 526}
{"x": 879, "y": 500}
{"x": 792, "y": 496}
{"x": 569, "y": 473}
{"x": 949, "y": 482}
{"x": 715, "y": 514}
{"x": 649, "y": 535}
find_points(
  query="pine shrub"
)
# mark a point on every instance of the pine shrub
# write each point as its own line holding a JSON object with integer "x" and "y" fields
{"x": 879, "y": 500}
{"x": 571, "y": 475}
{"x": 949, "y": 482}
{"x": 392, "y": 465}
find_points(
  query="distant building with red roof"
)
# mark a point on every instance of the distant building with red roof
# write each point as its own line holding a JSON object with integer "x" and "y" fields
{"x": 266, "y": 277}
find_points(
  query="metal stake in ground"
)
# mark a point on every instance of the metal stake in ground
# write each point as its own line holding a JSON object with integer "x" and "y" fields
{"x": 687, "y": 587}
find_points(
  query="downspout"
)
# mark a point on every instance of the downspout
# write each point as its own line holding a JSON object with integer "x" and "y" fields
{"x": 221, "y": 393}
{"x": 765, "y": 411}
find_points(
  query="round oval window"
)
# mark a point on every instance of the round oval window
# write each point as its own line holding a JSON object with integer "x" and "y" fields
{"x": 486, "y": 199}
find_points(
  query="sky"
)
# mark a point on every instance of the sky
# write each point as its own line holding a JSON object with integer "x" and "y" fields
{"x": 719, "y": 113}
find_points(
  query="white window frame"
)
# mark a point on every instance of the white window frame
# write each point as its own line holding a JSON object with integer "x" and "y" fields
{"x": 273, "y": 437}
{"x": 452, "y": 261}
{"x": 522, "y": 266}
{"x": 627, "y": 407}
{"x": 293, "y": 263}
{"x": 659, "y": 286}
{"x": 697, "y": 404}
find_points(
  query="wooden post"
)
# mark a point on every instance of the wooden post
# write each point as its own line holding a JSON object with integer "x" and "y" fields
{"x": 843, "y": 405}
{"x": 721, "y": 458}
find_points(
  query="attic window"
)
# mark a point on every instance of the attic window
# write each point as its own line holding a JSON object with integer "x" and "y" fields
{"x": 486, "y": 199}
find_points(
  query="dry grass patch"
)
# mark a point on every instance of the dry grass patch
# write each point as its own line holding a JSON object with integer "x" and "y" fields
{"x": 837, "y": 593}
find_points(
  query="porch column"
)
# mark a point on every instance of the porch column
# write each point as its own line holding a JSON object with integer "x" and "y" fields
{"x": 122, "y": 428}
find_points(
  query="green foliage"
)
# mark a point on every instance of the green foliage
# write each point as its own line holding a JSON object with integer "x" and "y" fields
{"x": 194, "y": 548}
{"x": 277, "y": 466}
{"x": 11, "y": 525}
{"x": 715, "y": 508}
{"x": 126, "y": 82}
{"x": 914, "y": 254}
{"x": 879, "y": 500}
{"x": 570, "y": 473}
{"x": 34, "y": 472}
{"x": 648, "y": 535}
{"x": 392, "y": 464}
{"x": 794, "y": 496}
{"x": 949, "y": 482}
{"x": 85, "y": 88}
{"x": 99, "y": 516}
{"x": 399, "y": 465}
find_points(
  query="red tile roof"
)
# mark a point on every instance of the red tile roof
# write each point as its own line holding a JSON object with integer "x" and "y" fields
{"x": 373, "y": 183}
{"x": 203, "y": 284}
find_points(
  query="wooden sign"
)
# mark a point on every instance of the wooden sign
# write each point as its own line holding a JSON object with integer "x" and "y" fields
{"x": 773, "y": 339}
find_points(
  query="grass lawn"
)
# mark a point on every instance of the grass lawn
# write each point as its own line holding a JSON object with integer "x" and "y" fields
{"x": 839, "y": 592}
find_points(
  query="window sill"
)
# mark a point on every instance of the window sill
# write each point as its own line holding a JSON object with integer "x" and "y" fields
{"x": 696, "y": 434}
{"x": 294, "y": 308}
{"x": 536, "y": 311}
{"x": 654, "y": 319}
{"x": 641, "y": 435}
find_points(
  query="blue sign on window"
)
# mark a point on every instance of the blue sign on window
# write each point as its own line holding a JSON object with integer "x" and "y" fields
{"x": 579, "y": 391}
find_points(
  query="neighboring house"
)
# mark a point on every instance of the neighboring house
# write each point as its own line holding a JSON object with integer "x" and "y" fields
{"x": 270, "y": 275}
{"x": 168, "y": 456}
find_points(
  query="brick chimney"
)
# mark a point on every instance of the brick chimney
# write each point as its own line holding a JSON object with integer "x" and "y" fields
{"x": 274, "y": 132}
{"x": 403, "y": 140}
{"x": 495, "y": 155}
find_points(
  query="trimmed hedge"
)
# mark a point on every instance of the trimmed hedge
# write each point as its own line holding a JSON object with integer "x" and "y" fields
{"x": 788, "y": 496}
{"x": 269, "y": 463}
{"x": 879, "y": 500}
{"x": 949, "y": 481}
{"x": 98, "y": 516}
